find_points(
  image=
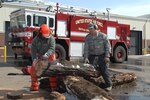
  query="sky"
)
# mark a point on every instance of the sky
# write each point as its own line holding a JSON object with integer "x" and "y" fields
{"x": 121, "y": 7}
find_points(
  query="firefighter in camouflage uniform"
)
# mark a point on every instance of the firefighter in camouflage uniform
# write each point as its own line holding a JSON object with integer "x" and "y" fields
{"x": 97, "y": 52}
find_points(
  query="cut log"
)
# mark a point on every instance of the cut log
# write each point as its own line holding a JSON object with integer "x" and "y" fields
{"x": 73, "y": 70}
{"x": 117, "y": 78}
{"x": 14, "y": 95}
{"x": 86, "y": 90}
{"x": 43, "y": 68}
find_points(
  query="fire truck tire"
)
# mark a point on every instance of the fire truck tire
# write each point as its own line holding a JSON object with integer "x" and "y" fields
{"x": 60, "y": 52}
{"x": 119, "y": 54}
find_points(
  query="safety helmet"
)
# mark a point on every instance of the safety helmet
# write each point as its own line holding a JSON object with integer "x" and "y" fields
{"x": 45, "y": 30}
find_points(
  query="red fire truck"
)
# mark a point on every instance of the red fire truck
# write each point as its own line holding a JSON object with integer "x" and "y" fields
{"x": 69, "y": 30}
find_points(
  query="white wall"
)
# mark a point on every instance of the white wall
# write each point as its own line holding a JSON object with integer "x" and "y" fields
{"x": 137, "y": 24}
{"x": 8, "y": 8}
{"x": 4, "y": 16}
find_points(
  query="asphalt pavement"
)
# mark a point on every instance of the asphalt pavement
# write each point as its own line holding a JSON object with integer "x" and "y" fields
{"x": 139, "y": 64}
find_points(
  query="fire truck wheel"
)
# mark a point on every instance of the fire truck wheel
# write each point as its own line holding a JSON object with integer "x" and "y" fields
{"x": 60, "y": 52}
{"x": 119, "y": 54}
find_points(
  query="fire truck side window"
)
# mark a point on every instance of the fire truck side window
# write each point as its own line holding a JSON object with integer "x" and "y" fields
{"x": 28, "y": 20}
{"x": 21, "y": 20}
{"x": 39, "y": 20}
{"x": 51, "y": 22}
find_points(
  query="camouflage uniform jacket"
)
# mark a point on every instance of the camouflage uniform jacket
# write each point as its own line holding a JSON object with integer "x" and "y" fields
{"x": 41, "y": 45}
{"x": 97, "y": 45}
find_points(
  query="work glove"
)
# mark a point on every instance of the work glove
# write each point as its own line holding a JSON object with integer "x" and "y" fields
{"x": 34, "y": 62}
{"x": 86, "y": 61}
{"x": 106, "y": 59}
{"x": 45, "y": 57}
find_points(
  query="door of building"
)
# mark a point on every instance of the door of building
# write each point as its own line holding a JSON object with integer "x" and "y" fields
{"x": 135, "y": 43}
{"x": 7, "y": 31}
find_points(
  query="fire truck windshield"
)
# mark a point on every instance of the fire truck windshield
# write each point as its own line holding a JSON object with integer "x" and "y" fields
{"x": 18, "y": 21}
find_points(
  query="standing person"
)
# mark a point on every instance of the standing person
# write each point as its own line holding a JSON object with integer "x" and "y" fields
{"x": 97, "y": 48}
{"x": 43, "y": 47}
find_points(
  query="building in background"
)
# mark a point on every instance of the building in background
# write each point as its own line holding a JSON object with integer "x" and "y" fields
{"x": 139, "y": 26}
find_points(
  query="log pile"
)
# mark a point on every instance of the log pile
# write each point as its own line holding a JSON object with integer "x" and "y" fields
{"x": 80, "y": 78}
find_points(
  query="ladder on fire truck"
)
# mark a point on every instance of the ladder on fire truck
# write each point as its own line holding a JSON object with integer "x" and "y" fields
{"x": 74, "y": 10}
{"x": 55, "y": 7}
{"x": 67, "y": 9}
{"x": 71, "y": 10}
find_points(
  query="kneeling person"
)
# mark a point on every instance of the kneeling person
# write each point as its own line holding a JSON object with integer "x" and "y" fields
{"x": 43, "y": 47}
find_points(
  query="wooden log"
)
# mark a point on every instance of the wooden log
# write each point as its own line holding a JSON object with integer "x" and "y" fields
{"x": 43, "y": 68}
{"x": 83, "y": 70}
{"x": 14, "y": 95}
{"x": 86, "y": 90}
{"x": 117, "y": 78}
